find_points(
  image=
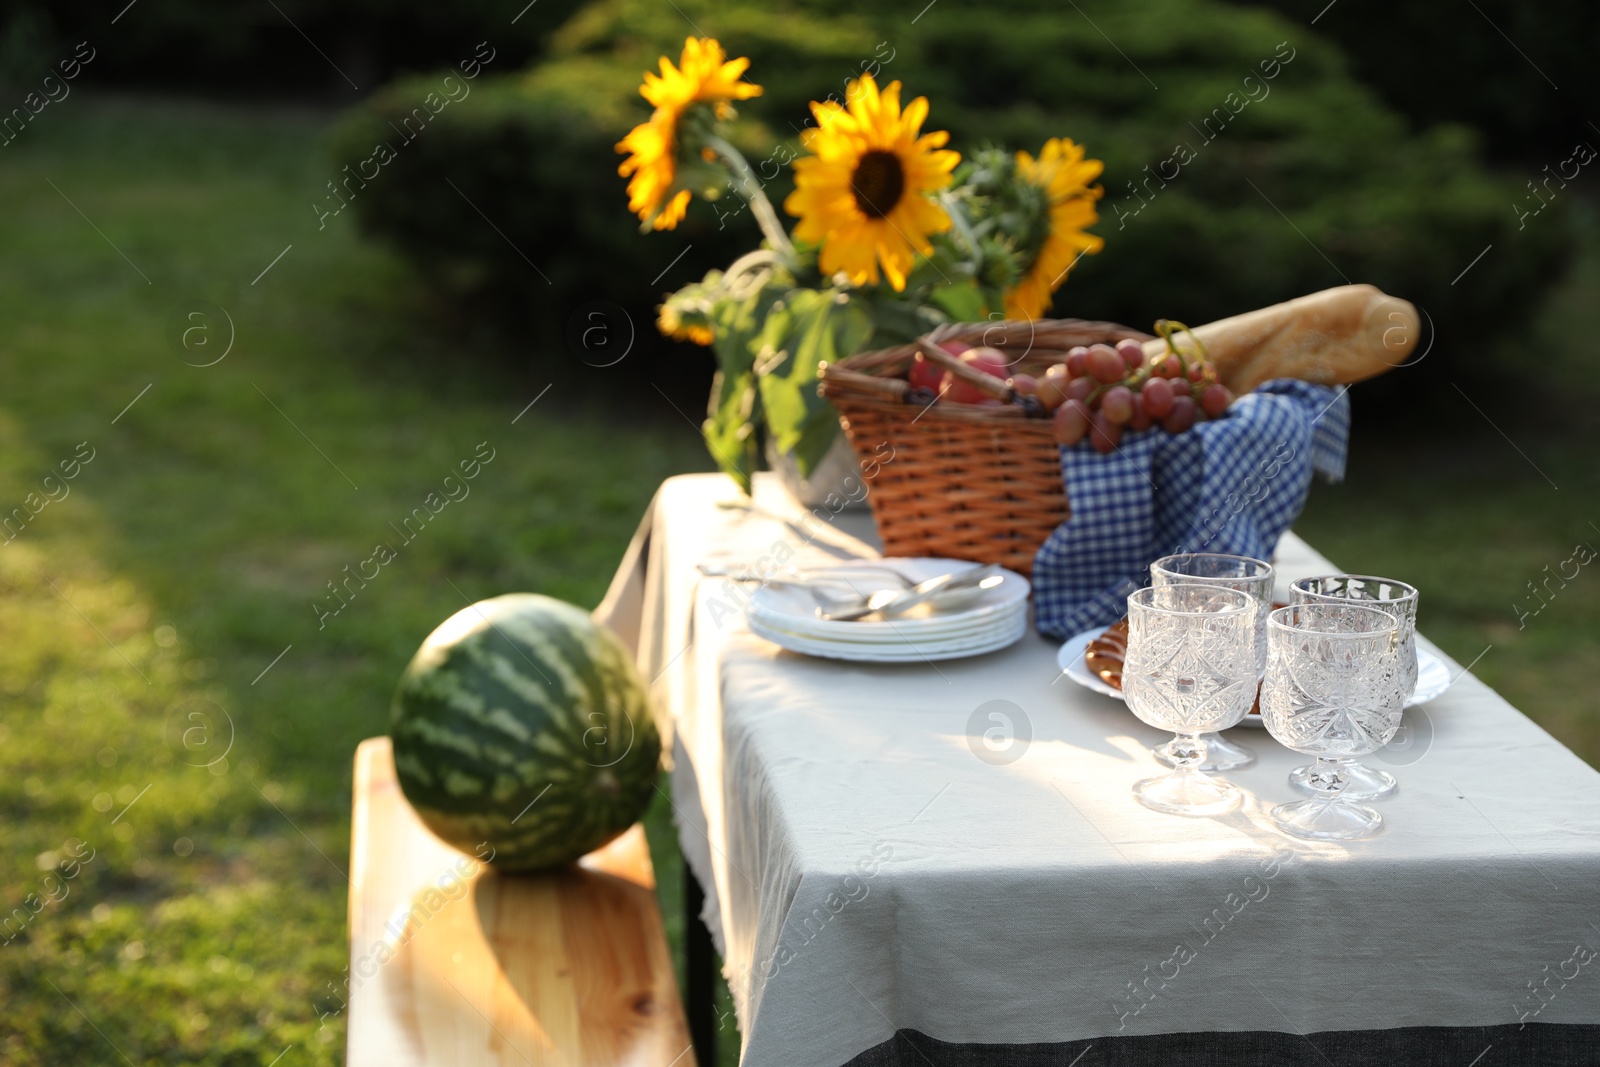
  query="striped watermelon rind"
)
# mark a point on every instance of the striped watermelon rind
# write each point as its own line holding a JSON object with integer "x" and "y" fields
{"x": 523, "y": 725}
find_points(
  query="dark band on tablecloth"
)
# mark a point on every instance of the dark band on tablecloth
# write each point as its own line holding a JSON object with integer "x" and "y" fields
{"x": 1534, "y": 1045}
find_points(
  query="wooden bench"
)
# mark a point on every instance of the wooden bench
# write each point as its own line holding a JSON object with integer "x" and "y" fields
{"x": 453, "y": 963}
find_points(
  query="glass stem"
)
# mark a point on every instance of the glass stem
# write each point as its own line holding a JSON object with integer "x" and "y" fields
{"x": 1330, "y": 775}
{"x": 1188, "y": 753}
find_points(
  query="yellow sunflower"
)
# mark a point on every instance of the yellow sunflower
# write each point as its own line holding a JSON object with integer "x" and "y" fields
{"x": 670, "y": 321}
{"x": 1064, "y": 175}
{"x": 704, "y": 75}
{"x": 863, "y": 193}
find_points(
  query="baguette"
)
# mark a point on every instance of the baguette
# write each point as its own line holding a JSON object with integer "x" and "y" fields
{"x": 1335, "y": 337}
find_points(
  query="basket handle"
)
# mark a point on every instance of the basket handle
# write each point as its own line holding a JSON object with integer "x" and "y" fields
{"x": 999, "y": 388}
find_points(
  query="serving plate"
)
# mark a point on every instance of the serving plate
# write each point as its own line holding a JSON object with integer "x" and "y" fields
{"x": 1433, "y": 677}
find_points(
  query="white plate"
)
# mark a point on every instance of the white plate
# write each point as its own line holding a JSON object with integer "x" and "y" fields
{"x": 1001, "y": 636}
{"x": 1433, "y": 677}
{"x": 897, "y": 642}
{"x": 992, "y": 624}
{"x": 795, "y": 611}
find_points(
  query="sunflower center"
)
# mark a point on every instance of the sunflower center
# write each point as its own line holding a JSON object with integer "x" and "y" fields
{"x": 877, "y": 183}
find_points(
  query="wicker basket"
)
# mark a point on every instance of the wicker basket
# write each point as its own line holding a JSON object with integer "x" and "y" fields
{"x": 963, "y": 481}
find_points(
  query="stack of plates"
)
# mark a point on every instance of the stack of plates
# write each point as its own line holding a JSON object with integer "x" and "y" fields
{"x": 961, "y": 623}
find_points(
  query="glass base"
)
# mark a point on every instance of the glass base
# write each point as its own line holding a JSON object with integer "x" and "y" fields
{"x": 1327, "y": 820}
{"x": 1187, "y": 794}
{"x": 1221, "y": 754}
{"x": 1364, "y": 783}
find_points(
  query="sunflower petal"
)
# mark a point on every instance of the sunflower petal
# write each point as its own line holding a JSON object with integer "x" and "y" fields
{"x": 830, "y": 210}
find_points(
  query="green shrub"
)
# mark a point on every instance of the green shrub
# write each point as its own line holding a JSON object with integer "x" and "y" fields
{"x": 512, "y": 194}
{"x": 1518, "y": 72}
{"x": 1311, "y": 183}
{"x": 295, "y": 49}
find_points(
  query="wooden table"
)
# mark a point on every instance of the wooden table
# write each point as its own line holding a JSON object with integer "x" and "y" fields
{"x": 452, "y": 962}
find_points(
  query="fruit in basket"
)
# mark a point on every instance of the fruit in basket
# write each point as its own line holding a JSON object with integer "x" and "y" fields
{"x": 1100, "y": 391}
{"x": 1117, "y": 404}
{"x": 1132, "y": 353}
{"x": 1071, "y": 422}
{"x": 1182, "y": 416}
{"x": 1157, "y": 394}
{"x": 1214, "y": 399}
{"x": 1105, "y": 365}
{"x": 1103, "y": 433}
{"x": 522, "y": 725}
{"x": 988, "y": 361}
{"x": 1052, "y": 391}
{"x": 1140, "y": 419}
{"x": 925, "y": 374}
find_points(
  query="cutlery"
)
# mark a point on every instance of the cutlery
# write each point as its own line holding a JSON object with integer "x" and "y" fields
{"x": 887, "y": 603}
{"x": 828, "y": 601}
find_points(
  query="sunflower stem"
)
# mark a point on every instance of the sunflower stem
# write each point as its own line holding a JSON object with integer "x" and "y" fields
{"x": 766, "y": 217}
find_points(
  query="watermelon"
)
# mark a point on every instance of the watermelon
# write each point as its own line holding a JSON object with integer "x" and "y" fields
{"x": 522, "y": 726}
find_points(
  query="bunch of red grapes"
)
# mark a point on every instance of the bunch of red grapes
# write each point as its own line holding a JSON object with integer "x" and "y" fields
{"x": 1100, "y": 392}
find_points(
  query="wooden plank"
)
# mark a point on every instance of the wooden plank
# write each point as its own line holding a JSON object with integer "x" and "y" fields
{"x": 452, "y": 962}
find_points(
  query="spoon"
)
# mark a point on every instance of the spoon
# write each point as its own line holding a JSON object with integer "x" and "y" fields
{"x": 828, "y": 601}
{"x": 888, "y": 603}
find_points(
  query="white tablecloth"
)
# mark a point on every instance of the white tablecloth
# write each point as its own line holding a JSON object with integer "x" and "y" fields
{"x": 868, "y": 872}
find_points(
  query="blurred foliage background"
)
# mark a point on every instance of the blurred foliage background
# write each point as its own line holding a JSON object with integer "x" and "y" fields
{"x": 1376, "y": 141}
{"x": 1394, "y": 144}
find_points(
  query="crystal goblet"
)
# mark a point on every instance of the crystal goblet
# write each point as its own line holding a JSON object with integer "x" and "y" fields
{"x": 1190, "y": 668}
{"x": 1396, "y": 599}
{"x": 1247, "y": 575}
{"x": 1333, "y": 689}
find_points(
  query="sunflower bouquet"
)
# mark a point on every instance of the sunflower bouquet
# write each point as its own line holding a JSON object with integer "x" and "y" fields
{"x": 895, "y": 235}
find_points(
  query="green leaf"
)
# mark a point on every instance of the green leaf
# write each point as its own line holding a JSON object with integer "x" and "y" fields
{"x": 818, "y": 327}
{"x": 730, "y": 431}
{"x": 962, "y": 301}
{"x": 740, "y": 327}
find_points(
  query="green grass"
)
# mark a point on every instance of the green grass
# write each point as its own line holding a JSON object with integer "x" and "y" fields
{"x": 1475, "y": 509}
{"x": 187, "y": 553}
{"x": 210, "y": 923}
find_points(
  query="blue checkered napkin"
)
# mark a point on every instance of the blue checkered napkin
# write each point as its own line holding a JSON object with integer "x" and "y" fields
{"x": 1233, "y": 484}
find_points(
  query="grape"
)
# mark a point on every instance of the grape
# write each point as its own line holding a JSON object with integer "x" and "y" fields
{"x": 1071, "y": 422}
{"x": 1103, "y": 433}
{"x": 1140, "y": 419}
{"x": 1197, "y": 370}
{"x": 1025, "y": 384}
{"x": 1052, "y": 390}
{"x": 1157, "y": 395}
{"x": 1080, "y": 388}
{"x": 1117, "y": 404}
{"x": 1076, "y": 358}
{"x": 1104, "y": 363}
{"x": 1181, "y": 417}
{"x": 1132, "y": 352}
{"x": 1057, "y": 370}
{"x": 1173, "y": 368}
{"x": 1214, "y": 399}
